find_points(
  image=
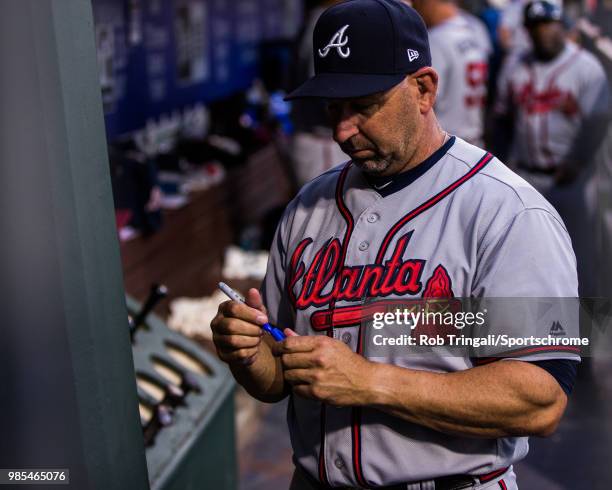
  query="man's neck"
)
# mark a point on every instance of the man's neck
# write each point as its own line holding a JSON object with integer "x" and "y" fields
{"x": 432, "y": 139}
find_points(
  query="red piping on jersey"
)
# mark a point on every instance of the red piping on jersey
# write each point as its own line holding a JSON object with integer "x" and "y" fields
{"x": 502, "y": 485}
{"x": 430, "y": 203}
{"x": 356, "y": 412}
{"x": 348, "y": 217}
{"x": 356, "y": 435}
{"x": 350, "y": 225}
{"x": 491, "y": 476}
{"x": 322, "y": 471}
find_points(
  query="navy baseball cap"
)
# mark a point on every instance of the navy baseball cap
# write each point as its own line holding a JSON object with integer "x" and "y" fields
{"x": 365, "y": 46}
{"x": 541, "y": 11}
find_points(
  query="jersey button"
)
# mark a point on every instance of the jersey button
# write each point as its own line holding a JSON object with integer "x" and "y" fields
{"x": 339, "y": 463}
{"x": 373, "y": 218}
{"x": 346, "y": 337}
{"x": 363, "y": 246}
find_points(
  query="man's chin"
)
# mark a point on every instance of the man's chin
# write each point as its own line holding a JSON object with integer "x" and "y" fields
{"x": 372, "y": 167}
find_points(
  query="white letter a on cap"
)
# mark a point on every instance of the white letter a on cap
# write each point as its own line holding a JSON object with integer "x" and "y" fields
{"x": 338, "y": 41}
{"x": 412, "y": 54}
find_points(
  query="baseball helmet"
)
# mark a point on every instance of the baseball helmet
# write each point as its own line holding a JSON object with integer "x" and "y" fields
{"x": 541, "y": 11}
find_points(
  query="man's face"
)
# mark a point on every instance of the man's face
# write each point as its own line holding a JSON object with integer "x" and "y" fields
{"x": 548, "y": 39}
{"x": 379, "y": 132}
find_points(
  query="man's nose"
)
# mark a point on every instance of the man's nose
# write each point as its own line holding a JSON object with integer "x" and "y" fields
{"x": 345, "y": 125}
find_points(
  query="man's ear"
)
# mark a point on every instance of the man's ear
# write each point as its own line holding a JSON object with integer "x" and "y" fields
{"x": 427, "y": 85}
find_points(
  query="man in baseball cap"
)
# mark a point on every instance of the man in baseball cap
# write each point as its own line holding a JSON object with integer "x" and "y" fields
{"x": 415, "y": 215}
{"x": 544, "y": 23}
{"x": 368, "y": 53}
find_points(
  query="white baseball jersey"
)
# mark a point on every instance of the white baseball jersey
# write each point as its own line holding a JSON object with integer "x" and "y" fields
{"x": 460, "y": 224}
{"x": 550, "y": 100}
{"x": 460, "y": 55}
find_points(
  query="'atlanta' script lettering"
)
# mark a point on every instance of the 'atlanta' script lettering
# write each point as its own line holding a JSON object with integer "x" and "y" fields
{"x": 394, "y": 276}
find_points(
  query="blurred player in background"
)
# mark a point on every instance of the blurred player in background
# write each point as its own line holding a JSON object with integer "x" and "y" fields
{"x": 554, "y": 101}
{"x": 460, "y": 50}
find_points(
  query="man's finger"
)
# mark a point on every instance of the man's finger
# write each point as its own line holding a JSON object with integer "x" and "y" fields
{"x": 299, "y": 376}
{"x": 300, "y": 343}
{"x": 234, "y": 326}
{"x": 235, "y": 342}
{"x": 299, "y": 360}
{"x": 234, "y": 309}
{"x": 241, "y": 356}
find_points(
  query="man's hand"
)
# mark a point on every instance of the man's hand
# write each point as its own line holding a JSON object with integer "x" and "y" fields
{"x": 324, "y": 369}
{"x": 237, "y": 332}
{"x": 242, "y": 344}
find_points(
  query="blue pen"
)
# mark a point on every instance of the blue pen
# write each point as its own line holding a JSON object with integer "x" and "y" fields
{"x": 231, "y": 294}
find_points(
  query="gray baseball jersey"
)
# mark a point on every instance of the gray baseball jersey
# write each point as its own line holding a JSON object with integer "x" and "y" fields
{"x": 479, "y": 30}
{"x": 460, "y": 55}
{"x": 461, "y": 224}
{"x": 550, "y": 100}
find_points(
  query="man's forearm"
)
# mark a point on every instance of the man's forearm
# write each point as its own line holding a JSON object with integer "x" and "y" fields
{"x": 509, "y": 398}
{"x": 264, "y": 378}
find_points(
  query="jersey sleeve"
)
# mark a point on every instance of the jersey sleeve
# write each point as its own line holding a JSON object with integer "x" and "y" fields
{"x": 528, "y": 282}
{"x": 274, "y": 290}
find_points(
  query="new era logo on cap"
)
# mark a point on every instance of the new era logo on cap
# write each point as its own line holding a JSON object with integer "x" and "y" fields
{"x": 412, "y": 54}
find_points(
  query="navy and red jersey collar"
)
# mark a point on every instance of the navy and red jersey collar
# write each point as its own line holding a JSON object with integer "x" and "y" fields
{"x": 386, "y": 186}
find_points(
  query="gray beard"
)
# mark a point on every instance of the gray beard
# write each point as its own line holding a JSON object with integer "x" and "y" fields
{"x": 372, "y": 166}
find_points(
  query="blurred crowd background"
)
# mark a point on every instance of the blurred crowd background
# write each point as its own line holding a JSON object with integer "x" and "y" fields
{"x": 205, "y": 154}
{"x": 193, "y": 100}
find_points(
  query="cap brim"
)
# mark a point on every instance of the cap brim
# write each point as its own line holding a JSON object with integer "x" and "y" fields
{"x": 541, "y": 20}
{"x": 345, "y": 85}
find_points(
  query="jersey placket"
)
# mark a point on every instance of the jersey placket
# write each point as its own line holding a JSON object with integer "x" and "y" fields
{"x": 350, "y": 335}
